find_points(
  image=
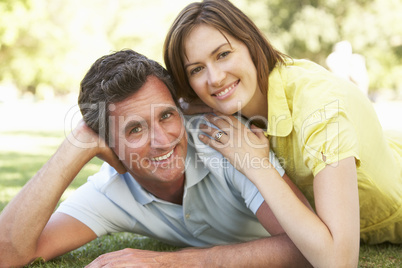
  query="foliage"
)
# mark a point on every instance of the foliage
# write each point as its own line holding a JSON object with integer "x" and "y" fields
{"x": 50, "y": 44}
{"x": 310, "y": 28}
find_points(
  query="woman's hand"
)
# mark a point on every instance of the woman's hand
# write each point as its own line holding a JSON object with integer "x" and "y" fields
{"x": 240, "y": 145}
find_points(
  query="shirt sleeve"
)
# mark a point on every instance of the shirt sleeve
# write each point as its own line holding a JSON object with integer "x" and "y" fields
{"x": 249, "y": 192}
{"x": 328, "y": 136}
{"x": 91, "y": 205}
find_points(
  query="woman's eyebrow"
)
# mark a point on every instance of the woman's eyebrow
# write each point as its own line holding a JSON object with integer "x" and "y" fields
{"x": 212, "y": 53}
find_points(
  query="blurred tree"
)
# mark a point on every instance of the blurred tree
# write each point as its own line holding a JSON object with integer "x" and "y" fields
{"x": 30, "y": 44}
{"x": 51, "y": 43}
{"x": 310, "y": 28}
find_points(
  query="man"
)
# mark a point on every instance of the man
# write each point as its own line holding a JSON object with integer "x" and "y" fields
{"x": 158, "y": 180}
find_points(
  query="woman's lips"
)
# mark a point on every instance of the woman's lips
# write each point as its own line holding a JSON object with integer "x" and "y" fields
{"x": 226, "y": 92}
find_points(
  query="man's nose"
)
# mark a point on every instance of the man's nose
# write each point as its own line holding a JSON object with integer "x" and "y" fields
{"x": 160, "y": 137}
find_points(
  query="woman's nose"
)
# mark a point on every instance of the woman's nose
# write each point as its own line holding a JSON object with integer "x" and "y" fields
{"x": 215, "y": 76}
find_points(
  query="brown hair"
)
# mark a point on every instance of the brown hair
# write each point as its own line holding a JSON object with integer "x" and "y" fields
{"x": 113, "y": 78}
{"x": 225, "y": 17}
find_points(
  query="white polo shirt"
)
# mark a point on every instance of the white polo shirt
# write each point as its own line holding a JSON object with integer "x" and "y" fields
{"x": 219, "y": 203}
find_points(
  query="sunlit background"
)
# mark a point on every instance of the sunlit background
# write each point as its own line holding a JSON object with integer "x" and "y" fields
{"x": 46, "y": 46}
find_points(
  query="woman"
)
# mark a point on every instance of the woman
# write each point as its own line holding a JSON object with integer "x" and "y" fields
{"x": 323, "y": 128}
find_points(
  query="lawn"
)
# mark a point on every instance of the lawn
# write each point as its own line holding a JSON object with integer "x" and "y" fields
{"x": 22, "y": 153}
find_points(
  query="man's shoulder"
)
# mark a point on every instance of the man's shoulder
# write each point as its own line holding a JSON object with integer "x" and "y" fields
{"x": 106, "y": 176}
{"x": 192, "y": 125}
{"x": 192, "y": 122}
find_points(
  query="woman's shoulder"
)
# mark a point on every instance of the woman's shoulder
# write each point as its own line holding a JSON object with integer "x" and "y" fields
{"x": 308, "y": 82}
{"x": 305, "y": 69}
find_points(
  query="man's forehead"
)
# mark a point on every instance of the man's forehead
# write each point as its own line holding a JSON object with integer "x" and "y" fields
{"x": 143, "y": 113}
{"x": 153, "y": 96}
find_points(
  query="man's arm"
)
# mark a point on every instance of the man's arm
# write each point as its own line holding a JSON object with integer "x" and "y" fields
{"x": 275, "y": 251}
{"x": 25, "y": 230}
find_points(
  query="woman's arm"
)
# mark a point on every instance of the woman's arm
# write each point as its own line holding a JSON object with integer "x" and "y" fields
{"x": 328, "y": 238}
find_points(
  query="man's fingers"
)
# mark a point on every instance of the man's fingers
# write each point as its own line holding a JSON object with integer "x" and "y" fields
{"x": 111, "y": 158}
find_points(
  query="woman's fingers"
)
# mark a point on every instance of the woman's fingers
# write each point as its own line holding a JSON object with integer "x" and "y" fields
{"x": 233, "y": 140}
{"x": 215, "y": 134}
{"x": 259, "y": 132}
{"x": 222, "y": 121}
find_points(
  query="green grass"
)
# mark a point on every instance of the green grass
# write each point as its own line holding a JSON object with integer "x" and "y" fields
{"x": 85, "y": 254}
{"x": 22, "y": 153}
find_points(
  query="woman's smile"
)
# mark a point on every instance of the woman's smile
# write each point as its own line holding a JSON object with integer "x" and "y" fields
{"x": 221, "y": 71}
{"x": 226, "y": 91}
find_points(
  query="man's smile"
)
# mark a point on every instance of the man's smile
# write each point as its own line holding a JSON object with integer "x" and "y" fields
{"x": 163, "y": 157}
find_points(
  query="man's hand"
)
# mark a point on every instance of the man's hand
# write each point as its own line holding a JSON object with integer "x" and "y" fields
{"x": 275, "y": 251}
{"x": 144, "y": 258}
{"x": 85, "y": 138}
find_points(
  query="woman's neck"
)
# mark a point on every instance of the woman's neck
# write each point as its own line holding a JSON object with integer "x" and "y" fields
{"x": 257, "y": 110}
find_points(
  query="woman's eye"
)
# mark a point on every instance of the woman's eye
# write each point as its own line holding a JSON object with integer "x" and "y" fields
{"x": 223, "y": 54}
{"x": 196, "y": 70}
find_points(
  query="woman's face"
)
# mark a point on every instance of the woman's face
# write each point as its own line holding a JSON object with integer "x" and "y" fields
{"x": 222, "y": 73}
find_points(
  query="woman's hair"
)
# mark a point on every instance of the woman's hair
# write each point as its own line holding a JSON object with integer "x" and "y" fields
{"x": 113, "y": 78}
{"x": 226, "y": 18}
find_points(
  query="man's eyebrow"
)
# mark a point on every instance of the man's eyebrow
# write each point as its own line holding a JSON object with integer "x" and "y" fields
{"x": 212, "y": 53}
{"x": 133, "y": 123}
{"x": 168, "y": 109}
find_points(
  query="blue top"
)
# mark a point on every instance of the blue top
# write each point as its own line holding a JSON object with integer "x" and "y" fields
{"x": 219, "y": 202}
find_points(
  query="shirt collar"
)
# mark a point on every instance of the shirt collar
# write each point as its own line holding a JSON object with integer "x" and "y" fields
{"x": 279, "y": 118}
{"x": 196, "y": 150}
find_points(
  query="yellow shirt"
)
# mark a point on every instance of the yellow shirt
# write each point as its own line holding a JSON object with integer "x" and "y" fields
{"x": 315, "y": 119}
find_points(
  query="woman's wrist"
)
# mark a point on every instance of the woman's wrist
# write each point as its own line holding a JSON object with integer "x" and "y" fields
{"x": 260, "y": 170}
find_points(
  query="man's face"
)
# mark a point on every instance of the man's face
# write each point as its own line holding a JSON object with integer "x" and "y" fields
{"x": 149, "y": 136}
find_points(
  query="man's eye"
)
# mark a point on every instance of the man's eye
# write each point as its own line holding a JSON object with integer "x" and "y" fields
{"x": 136, "y": 130}
{"x": 166, "y": 116}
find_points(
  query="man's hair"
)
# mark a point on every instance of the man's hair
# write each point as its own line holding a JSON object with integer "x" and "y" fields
{"x": 112, "y": 79}
{"x": 226, "y": 18}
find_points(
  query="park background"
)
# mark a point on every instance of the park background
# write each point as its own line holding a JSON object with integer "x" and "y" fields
{"x": 46, "y": 46}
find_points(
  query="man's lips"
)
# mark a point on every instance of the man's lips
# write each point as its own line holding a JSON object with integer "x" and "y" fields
{"x": 226, "y": 90}
{"x": 163, "y": 157}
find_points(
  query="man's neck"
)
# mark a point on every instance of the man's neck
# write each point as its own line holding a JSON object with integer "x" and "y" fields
{"x": 172, "y": 193}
